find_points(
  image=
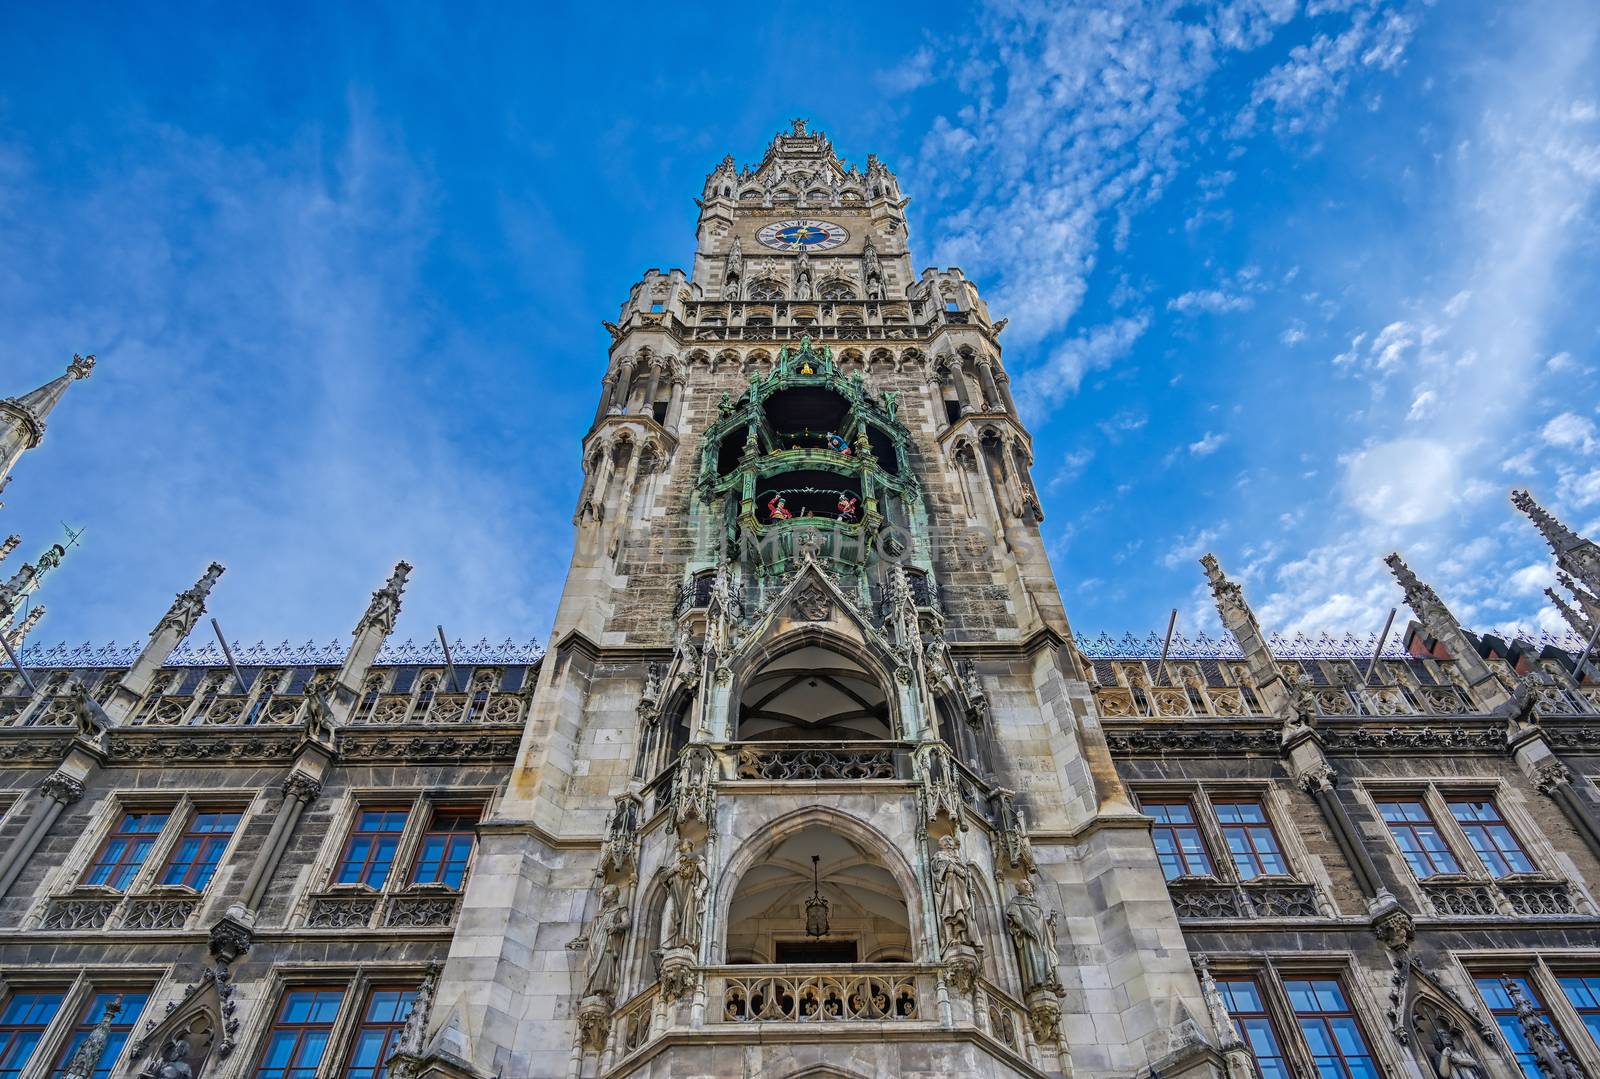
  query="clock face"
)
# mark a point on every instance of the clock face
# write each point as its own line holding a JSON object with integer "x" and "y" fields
{"x": 803, "y": 234}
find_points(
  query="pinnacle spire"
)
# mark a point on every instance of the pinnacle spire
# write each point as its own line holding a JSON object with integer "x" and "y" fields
{"x": 19, "y": 632}
{"x": 1575, "y": 554}
{"x": 1572, "y": 616}
{"x": 189, "y": 605}
{"x": 8, "y": 545}
{"x": 385, "y": 605}
{"x": 22, "y": 419}
{"x": 1586, "y": 599}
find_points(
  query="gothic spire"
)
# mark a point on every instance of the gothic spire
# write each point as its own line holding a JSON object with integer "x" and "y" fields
{"x": 189, "y": 605}
{"x": 17, "y": 633}
{"x": 1580, "y": 624}
{"x": 1575, "y": 554}
{"x": 8, "y": 545}
{"x": 22, "y": 419}
{"x": 385, "y": 603}
{"x": 1488, "y": 682}
{"x": 1586, "y": 599}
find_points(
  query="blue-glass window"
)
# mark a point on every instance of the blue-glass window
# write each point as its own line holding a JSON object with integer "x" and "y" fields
{"x": 1505, "y": 1017}
{"x": 446, "y": 846}
{"x": 1418, "y": 838}
{"x": 381, "y": 1022}
{"x": 1583, "y": 991}
{"x": 195, "y": 856}
{"x": 369, "y": 852}
{"x": 1491, "y": 838}
{"x": 1251, "y": 841}
{"x": 1330, "y": 1029}
{"x": 94, "y": 1010}
{"x": 1179, "y": 845}
{"x": 298, "y": 1040}
{"x": 1252, "y": 1023}
{"x": 22, "y": 1021}
{"x": 126, "y": 848}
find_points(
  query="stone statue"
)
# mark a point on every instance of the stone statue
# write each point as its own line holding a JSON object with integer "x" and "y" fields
{"x": 171, "y": 1063}
{"x": 1033, "y": 933}
{"x": 606, "y": 937}
{"x": 1452, "y": 1061}
{"x": 687, "y": 887}
{"x": 952, "y": 887}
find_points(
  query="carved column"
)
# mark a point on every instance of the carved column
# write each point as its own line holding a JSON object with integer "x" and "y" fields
{"x": 174, "y": 626}
{"x": 958, "y": 379}
{"x": 675, "y": 400}
{"x": 619, "y": 392}
{"x": 300, "y": 789}
{"x": 936, "y": 401}
{"x": 1554, "y": 780}
{"x": 991, "y": 392}
{"x": 1004, "y": 382}
{"x": 607, "y": 386}
{"x": 58, "y": 790}
{"x": 652, "y": 384}
{"x": 1317, "y": 778}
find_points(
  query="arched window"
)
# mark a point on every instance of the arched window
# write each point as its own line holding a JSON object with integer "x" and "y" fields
{"x": 765, "y": 289}
{"x": 837, "y": 290}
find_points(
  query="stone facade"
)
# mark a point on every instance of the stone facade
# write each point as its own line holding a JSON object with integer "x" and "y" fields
{"x": 815, "y": 778}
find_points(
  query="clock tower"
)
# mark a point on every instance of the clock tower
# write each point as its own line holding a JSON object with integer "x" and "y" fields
{"x": 812, "y": 782}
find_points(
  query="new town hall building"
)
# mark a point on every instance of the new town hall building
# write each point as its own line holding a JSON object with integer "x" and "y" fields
{"x": 814, "y": 778}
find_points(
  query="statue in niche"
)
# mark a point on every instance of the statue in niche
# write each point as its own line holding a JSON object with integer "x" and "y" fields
{"x": 953, "y": 890}
{"x": 687, "y": 889}
{"x": 171, "y": 1063}
{"x": 1451, "y": 1059}
{"x": 606, "y": 937}
{"x": 1033, "y": 933}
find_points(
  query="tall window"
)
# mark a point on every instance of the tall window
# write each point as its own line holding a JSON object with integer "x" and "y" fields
{"x": 369, "y": 852}
{"x": 125, "y": 849}
{"x": 298, "y": 1040}
{"x": 1491, "y": 838}
{"x": 1179, "y": 844}
{"x": 1418, "y": 838}
{"x": 1504, "y": 1011}
{"x": 1251, "y": 841}
{"x": 1583, "y": 992}
{"x": 198, "y": 850}
{"x": 1253, "y": 1024}
{"x": 381, "y": 1020}
{"x": 446, "y": 846}
{"x": 1330, "y": 1029}
{"x": 26, "y": 1013}
{"x": 94, "y": 1010}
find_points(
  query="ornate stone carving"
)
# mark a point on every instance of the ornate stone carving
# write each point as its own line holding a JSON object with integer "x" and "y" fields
{"x": 619, "y": 849}
{"x": 694, "y": 790}
{"x": 1013, "y": 843}
{"x": 939, "y": 791}
{"x": 61, "y": 787}
{"x": 159, "y": 914}
{"x": 1549, "y": 1051}
{"x": 1395, "y": 929}
{"x": 301, "y": 787}
{"x": 406, "y": 1060}
{"x": 1320, "y": 776}
{"x": 341, "y": 912}
{"x": 953, "y": 893}
{"x": 812, "y": 603}
{"x": 1550, "y": 776}
{"x": 189, "y": 605}
{"x": 594, "y": 1022}
{"x": 420, "y": 911}
{"x": 1033, "y": 935}
{"x": 1216, "y": 1007}
{"x": 677, "y": 972}
{"x": 385, "y": 605}
{"x": 815, "y": 764}
{"x": 86, "y": 1061}
{"x": 79, "y": 914}
{"x": 1044, "y": 1015}
{"x": 229, "y": 939}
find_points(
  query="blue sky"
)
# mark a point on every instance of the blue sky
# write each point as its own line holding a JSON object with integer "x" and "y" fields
{"x": 1296, "y": 282}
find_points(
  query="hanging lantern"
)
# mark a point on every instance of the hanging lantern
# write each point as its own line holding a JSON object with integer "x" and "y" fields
{"x": 816, "y": 906}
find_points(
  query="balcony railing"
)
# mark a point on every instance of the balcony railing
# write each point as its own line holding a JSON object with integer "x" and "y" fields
{"x": 842, "y": 994}
{"x": 1207, "y": 898}
{"x": 844, "y": 761}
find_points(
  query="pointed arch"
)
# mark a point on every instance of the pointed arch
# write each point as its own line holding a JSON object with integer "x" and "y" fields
{"x": 756, "y": 847}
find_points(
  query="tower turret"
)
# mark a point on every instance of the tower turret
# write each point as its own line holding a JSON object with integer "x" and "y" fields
{"x": 23, "y": 419}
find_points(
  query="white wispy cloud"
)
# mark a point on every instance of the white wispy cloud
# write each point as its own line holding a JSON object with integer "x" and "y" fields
{"x": 1090, "y": 350}
{"x": 1212, "y": 301}
{"x": 1207, "y": 444}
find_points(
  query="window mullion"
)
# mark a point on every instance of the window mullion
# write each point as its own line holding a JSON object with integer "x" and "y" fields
{"x": 407, "y": 848}
{"x": 1276, "y": 997}
{"x": 165, "y": 845}
{"x": 1455, "y": 836}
